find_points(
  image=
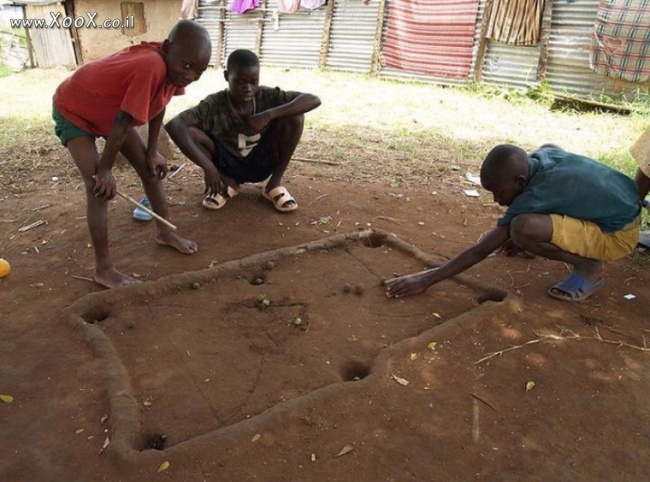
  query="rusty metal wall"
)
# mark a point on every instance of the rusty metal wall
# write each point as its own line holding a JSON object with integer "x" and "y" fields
{"x": 352, "y": 38}
{"x": 294, "y": 40}
{"x": 568, "y": 64}
{"x": 297, "y": 42}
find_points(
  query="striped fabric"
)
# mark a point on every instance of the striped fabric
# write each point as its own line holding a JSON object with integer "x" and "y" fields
{"x": 620, "y": 47}
{"x": 432, "y": 37}
{"x": 515, "y": 22}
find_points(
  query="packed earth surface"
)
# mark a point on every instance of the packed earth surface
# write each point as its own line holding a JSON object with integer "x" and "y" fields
{"x": 190, "y": 375}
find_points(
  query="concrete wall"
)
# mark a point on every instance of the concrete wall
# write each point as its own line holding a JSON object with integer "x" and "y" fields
{"x": 160, "y": 17}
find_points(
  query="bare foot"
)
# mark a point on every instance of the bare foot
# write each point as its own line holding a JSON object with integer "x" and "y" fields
{"x": 182, "y": 245}
{"x": 111, "y": 278}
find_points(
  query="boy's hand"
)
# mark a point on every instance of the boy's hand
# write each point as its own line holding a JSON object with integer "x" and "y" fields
{"x": 105, "y": 186}
{"x": 406, "y": 286}
{"x": 257, "y": 122}
{"x": 157, "y": 165}
{"x": 212, "y": 180}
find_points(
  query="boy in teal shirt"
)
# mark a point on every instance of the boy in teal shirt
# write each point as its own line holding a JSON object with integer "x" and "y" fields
{"x": 561, "y": 206}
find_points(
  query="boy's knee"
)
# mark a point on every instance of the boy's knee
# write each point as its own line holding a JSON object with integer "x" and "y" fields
{"x": 291, "y": 124}
{"x": 528, "y": 227}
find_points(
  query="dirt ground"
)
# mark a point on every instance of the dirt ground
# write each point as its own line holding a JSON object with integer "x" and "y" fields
{"x": 526, "y": 389}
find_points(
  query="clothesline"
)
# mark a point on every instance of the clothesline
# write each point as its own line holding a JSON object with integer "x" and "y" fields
{"x": 260, "y": 9}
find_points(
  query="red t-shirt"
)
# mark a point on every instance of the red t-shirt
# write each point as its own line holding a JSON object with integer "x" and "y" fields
{"x": 133, "y": 80}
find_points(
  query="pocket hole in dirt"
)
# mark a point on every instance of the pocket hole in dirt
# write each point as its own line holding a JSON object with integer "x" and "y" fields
{"x": 353, "y": 371}
{"x": 155, "y": 441}
{"x": 258, "y": 279}
{"x": 492, "y": 296}
{"x": 375, "y": 240}
{"x": 94, "y": 318}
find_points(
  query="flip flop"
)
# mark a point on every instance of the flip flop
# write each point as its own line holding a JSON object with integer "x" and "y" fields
{"x": 140, "y": 214}
{"x": 575, "y": 288}
{"x": 218, "y": 200}
{"x": 644, "y": 239}
{"x": 279, "y": 196}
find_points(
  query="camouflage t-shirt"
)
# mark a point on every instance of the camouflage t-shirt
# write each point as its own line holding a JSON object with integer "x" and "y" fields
{"x": 216, "y": 116}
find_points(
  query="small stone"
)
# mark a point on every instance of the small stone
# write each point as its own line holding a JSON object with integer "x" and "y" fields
{"x": 358, "y": 289}
{"x": 258, "y": 281}
{"x": 347, "y": 287}
{"x": 196, "y": 285}
{"x": 269, "y": 265}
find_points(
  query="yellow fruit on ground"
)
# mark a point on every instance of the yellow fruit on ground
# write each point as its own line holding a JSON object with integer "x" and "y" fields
{"x": 5, "y": 268}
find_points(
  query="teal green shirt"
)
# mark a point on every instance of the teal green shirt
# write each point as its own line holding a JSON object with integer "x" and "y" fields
{"x": 560, "y": 182}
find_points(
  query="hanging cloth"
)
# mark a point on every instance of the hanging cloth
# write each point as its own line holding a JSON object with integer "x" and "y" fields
{"x": 288, "y": 6}
{"x": 620, "y": 47}
{"x": 515, "y": 22}
{"x": 312, "y": 4}
{"x": 190, "y": 9}
{"x": 243, "y": 6}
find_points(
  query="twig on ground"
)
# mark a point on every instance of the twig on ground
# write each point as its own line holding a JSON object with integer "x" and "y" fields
{"x": 315, "y": 161}
{"x": 485, "y": 402}
{"x": 31, "y": 226}
{"x": 319, "y": 197}
{"x": 44, "y": 206}
{"x": 82, "y": 278}
{"x": 572, "y": 335}
{"x": 387, "y": 218}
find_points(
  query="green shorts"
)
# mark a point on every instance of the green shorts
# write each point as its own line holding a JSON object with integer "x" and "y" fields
{"x": 66, "y": 130}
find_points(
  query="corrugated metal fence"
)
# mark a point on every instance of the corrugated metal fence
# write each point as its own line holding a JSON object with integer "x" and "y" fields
{"x": 348, "y": 36}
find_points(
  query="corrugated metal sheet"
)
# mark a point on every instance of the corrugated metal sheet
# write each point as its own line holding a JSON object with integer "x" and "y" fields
{"x": 568, "y": 65}
{"x": 52, "y": 46}
{"x": 241, "y": 29}
{"x": 511, "y": 65}
{"x": 297, "y": 40}
{"x": 352, "y": 39}
{"x": 209, "y": 14}
{"x": 394, "y": 74}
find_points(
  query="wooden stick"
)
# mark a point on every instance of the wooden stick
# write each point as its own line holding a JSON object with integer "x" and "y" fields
{"x": 315, "y": 161}
{"x": 82, "y": 278}
{"x": 176, "y": 171}
{"x": 147, "y": 210}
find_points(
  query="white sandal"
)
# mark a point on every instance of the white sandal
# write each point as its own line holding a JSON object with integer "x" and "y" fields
{"x": 279, "y": 196}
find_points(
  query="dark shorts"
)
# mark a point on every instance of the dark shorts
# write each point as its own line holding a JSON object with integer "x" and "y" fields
{"x": 66, "y": 130}
{"x": 255, "y": 167}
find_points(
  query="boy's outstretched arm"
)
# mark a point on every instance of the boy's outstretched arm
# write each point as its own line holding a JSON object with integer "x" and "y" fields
{"x": 104, "y": 180}
{"x": 414, "y": 284}
{"x": 178, "y": 130}
{"x": 300, "y": 105}
{"x": 156, "y": 162}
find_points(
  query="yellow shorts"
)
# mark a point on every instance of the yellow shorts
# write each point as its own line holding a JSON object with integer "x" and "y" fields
{"x": 586, "y": 239}
{"x": 641, "y": 152}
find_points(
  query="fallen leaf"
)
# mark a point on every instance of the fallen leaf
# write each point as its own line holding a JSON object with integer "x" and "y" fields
{"x": 78, "y": 431}
{"x": 147, "y": 403}
{"x": 530, "y": 386}
{"x": 400, "y": 380}
{"x": 164, "y": 466}
{"x": 432, "y": 345}
{"x": 437, "y": 315}
{"x": 106, "y": 444}
{"x": 6, "y": 398}
{"x": 256, "y": 437}
{"x": 414, "y": 356}
{"x": 345, "y": 450}
{"x": 103, "y": 419}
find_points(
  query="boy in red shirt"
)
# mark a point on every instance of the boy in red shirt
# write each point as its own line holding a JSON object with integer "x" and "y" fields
{"x": 107, "y": 98}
